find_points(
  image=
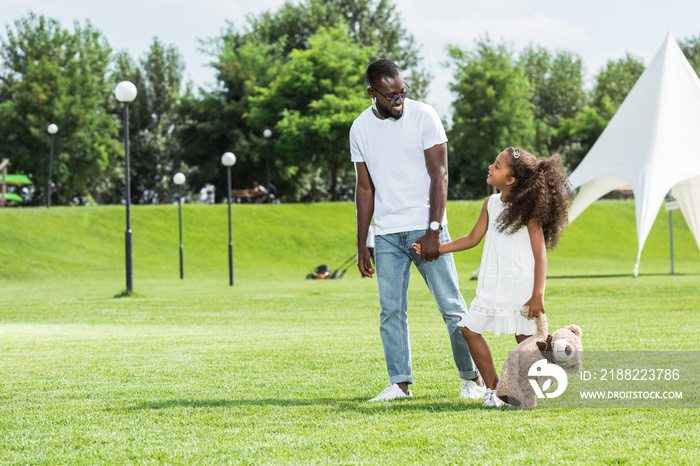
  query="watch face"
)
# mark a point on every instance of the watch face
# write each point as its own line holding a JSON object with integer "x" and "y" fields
{"x": 434, "y": 225}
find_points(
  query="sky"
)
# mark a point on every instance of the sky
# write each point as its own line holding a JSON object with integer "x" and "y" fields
{"x": 596, "y": 30}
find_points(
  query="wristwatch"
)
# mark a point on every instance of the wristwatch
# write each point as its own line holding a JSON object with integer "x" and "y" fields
{"x": 435, "y": 226}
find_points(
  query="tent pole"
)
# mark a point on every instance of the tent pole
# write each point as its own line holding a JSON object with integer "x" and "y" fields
{"x": 670, "y": 225}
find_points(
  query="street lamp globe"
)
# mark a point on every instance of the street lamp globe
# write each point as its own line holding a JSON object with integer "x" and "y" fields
{"x": 267, "y": 133}
{"x": 228, "y": 159}
{"x": 125, "y": 91}
{"x": 179, "y": 179}
{"x": 52, "y": 129}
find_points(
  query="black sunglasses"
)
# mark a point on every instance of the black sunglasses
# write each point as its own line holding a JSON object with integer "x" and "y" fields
{"x": 393, "y": 99}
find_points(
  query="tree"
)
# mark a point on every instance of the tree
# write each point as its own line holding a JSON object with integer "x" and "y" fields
{"x": 50, "y": 75}
{"x": 557, "y": 84}
{"x": 583, "y": 131}
{"x": 613, "y": 83}
{"x": 492, "y": 111}
{"x": 691, "y": 49}
{"x": 312, "y": 103}
{"x": 155, "y": 152}
{"x": 213, "y": 123}
{"x": 371, "y": 23}
{"x": 251, "y": 58}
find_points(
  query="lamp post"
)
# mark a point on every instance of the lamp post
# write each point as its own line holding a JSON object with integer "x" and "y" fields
{"x": 267, "y": 134}
{"x": 228, "y": 159}
{"x": 52, "y": 129}
{"x": 179, "y": 180}
{"x": 125, "y": 92}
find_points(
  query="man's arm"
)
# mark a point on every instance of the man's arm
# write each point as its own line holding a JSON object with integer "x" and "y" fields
{"x": 436, "y": 163}
{"x": 364, "y": 209}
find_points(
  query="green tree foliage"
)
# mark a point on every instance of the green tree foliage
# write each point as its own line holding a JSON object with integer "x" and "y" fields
{"x": 154, "y": 151}
{"x": 691, "y": 50}
{"x": 312, "y": 103}
{"x": 252, "y": 58}
{"x": 584, "y": 130}
{"x": 492, "y": 110}
{"x": 613, "y": 83}
{"x": 298, "y": 71}
{"x": 52, "y": 75}
{"x": 213, "y": 123}
{"x": 371, "y": 23}
{"x": 558, "y": 93}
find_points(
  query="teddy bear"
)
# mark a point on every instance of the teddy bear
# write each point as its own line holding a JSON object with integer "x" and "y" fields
{"x": 531, "y": 356}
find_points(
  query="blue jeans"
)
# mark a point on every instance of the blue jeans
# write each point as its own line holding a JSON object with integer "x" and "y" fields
{"x": 393, "y": 256}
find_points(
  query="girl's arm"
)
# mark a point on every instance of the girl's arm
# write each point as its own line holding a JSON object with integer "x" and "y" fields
{"x": 539, "y": 250}
{"x": 473, "y": 238}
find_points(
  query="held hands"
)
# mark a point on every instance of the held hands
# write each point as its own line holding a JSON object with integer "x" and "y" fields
{"x": 428, "y": 246}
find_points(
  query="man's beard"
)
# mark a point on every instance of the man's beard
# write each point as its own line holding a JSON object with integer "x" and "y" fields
{"x": 386, "y": 112}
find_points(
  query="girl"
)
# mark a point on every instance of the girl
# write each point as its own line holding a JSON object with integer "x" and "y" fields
{"x": 528, "y": 216}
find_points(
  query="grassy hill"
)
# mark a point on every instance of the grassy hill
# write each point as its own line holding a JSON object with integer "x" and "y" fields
{"x": 290, "y": 240}
{"x": 277, "y": 369}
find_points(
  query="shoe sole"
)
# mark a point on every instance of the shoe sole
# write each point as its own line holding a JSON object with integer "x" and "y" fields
{"x": 410, "y": 395}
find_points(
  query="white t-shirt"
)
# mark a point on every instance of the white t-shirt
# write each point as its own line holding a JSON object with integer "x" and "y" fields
{"x": 393, "y": 151}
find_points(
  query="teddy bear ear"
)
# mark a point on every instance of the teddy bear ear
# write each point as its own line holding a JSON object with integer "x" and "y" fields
{"x": 576, "y": 329}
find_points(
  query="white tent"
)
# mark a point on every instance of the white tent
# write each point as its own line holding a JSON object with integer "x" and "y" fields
{"x": 652, "y": 144}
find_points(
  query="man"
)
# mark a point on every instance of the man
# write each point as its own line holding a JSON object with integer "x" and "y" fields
{"x": 399, "y": 149}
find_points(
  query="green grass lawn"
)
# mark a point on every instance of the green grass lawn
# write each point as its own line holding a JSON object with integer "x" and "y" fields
{"x": 277, "y": 369}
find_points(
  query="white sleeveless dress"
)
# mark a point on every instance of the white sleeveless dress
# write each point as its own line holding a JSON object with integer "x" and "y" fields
{"x": 506, "y": 279}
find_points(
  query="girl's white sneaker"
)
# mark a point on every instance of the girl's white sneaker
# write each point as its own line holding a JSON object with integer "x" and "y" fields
{"x": 491, "y": 400}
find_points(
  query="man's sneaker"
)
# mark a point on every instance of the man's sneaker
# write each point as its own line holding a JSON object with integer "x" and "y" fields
{"x": 491, "y": 400}
{"x": 392, "y": 392}
{"x": 471, "y": 391}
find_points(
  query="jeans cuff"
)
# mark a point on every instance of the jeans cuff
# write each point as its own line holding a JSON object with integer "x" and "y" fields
{"x": 468, "y": 375}
{"x": 400, "y": 379}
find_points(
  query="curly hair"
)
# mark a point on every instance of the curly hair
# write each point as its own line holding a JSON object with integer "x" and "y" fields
{"x": 542, "y": 192}
{"x": 379, "y": 69}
